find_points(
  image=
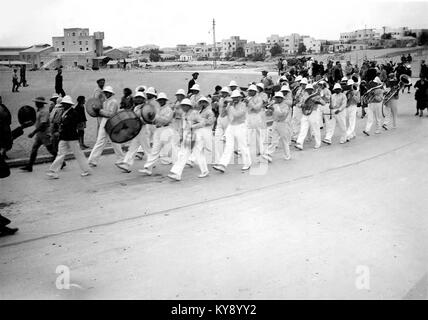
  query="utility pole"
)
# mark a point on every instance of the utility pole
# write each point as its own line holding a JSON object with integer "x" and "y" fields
{"x": 215, "y": 46}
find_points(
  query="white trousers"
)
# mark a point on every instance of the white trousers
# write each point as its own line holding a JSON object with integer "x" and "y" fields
{"x": 295, "y": 122}
{"x": 281, "y": 136}
{"x": 240, "y": 133}
{"x": 101, "y": 143}
{"x": 324, "y": 111}
{"x": 65, "y": 147}
{"x": 162, "y": 137}
{"x": 340, "y": 118}
{"x": 219, "y": 137}
{"x": 140, "y": 142}
{"x": 391, "y": 113}
{"x": 351, "y": 117}
{"x": 312, "y": 122}
{"x": 374, "y": 115}
{"x": 257, "y": 132}
{"x": 197, "y": 154}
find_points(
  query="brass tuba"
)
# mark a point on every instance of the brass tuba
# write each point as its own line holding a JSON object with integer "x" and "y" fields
{"x": 404, "y": 80}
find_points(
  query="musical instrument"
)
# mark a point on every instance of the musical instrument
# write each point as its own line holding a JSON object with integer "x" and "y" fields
{"x": 369, "y": 95}
{"x": 311, "y": 103}
{"x": 148, "y": 113}
{"x": 123, "y": 126}
{"x": 26, "y": 116}
{"x": 93, "y": 107}
{"x": 395, "y": 87}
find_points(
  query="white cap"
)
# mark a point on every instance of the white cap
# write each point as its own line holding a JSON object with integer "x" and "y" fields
{"x": 108, "y": 89}
{"x": 337, "y": 86}
{"x": 180, "y": 91}
{"x": 260, "y": 85}
{"x": 140, "y": 94}
{"x": 195, "y": 87}
{"x": 350, "y": 82}
{"x": 55, "y": 96}
{"x": 304, "y": 81}
{"x": 162, "y": 95}
{"x": 151, "y": 91}
{"x": 233, "y": 84}
{"x": 236, "y": 94}
{"x": 344, "y": 79}
{"x": 285, "y": 88}
{"x": 279, "y": 94}
{"x": 309, "y": 86}
{"x": 186, "y": 102}
{"x": 252, "y": 88}
{"x": 67, "y": 99}
{"x": 225, "y": 89}
{"x": 298, "y": 78}
{"x": 140, "y": 88}
{"x": 377, "y": 80}
{"x": 284, "y": 78}
{"x": 203, "y": 99}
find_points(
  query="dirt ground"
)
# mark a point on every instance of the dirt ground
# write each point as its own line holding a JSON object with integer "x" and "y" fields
{"x": 345, "y": 221}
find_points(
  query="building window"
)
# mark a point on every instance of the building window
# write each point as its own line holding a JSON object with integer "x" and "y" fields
{"x": 62, "y": 42}
{"x": 80, "y": 42}
{"x": 87, "y": 49}
{"x": 57, "y": 49}
{"x": 73, "y": 34}
{"x": 74, "y": 42}
{"x": 86, "y": 42}
{"x": 81, "y": 49}
{"x": 63, "y": 49}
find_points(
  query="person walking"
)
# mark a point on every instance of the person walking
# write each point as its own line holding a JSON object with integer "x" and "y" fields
{"x": 110, "y": 108}
{"x": 68, "y": 140}
{"x": 81, "y": 117}
{"x": 41, "y": 133}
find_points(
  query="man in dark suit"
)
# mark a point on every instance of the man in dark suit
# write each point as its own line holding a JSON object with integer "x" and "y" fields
{"x": 58, "y": 83}
{"x": 192, "y": 82}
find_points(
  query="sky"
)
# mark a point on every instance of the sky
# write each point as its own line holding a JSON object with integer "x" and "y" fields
{"x": 167, "y": 23}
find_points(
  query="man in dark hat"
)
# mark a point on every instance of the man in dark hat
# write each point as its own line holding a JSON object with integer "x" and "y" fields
{"x": 41, "y": 132}
{"x": 192, "y": 82}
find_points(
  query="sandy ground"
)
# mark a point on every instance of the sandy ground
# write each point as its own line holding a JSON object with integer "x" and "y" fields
{"x": 307, "y": 228}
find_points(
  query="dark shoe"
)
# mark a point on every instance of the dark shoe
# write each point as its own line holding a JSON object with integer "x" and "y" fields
{"x": 385, "y": 127}
{"x": 366, "y": 133}
{"x": 84, "y": 146}
{"x": 27, "y": 168}
{"x": 6, "y": 231}
{"x": 63, "y": 165}
{"x": 416, "y": 114}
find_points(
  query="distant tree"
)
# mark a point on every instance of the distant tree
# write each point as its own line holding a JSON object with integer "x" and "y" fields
{"x": 257, "y": 57}
{"x": 386, "y": 36}
{"x": 239, "y": 52}
{"x": 155, "y": 55}
{"x": 423, "y": 38}
{"x": 301, "y": 49}
{"x": 276, "y": 50}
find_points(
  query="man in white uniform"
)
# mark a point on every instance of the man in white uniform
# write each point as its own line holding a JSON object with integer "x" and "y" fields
{"x": 237, "y": 129}
{"x": 110, "y": 108}
{"x": 338, "y": 111}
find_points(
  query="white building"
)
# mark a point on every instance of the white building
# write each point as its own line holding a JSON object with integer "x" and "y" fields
{"x": 312, "y": 45}
{"x": 252, "y": 48}
{"x": 360, "y": 35}
{"x": 229, "y": 46}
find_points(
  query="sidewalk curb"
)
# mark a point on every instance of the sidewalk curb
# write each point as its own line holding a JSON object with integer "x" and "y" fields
{"x": 20, "y": 162}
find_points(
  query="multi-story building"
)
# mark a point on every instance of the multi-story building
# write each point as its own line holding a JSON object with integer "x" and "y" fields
{"x": 203, "y": 50}
{"x": 37, "y": 56}
{"x": 78, "y": 48}
{"x": 229, "y": 46}
{"x": 312, "y": 45}
{"x": 360, "y": 35}
{"x": 182, "y": 48}
{"x": 252, "y": 48}
{"x": 289, "y": 44}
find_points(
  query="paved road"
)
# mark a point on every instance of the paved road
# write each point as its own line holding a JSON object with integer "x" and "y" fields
{"x": 344, "y": 221}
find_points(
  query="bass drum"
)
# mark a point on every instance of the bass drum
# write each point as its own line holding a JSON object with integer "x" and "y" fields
{"x": 93, "y": 106}
{"x": 123, "y": 126}
{"x": 27, "y": 116}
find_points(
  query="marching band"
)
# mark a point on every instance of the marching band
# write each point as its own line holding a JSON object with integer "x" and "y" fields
{"x": 188, "y": 130}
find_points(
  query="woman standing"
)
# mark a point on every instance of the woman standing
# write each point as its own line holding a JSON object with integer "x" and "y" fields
{"x": 421, "y": 95}
{"x": 81, "y": 118}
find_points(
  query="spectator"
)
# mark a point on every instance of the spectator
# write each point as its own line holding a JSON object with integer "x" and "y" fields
{"x": 424, "y": 70}
{"x": 58, "y": 83}
{"x": 127, "y": 102}
{"x": 421, "y": 96}
{"x": 192, "y": 82}
{"x": 15, "y": 82}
